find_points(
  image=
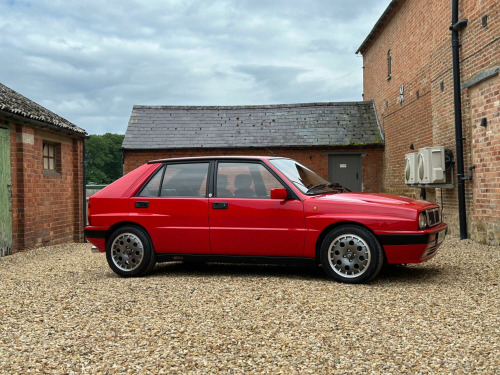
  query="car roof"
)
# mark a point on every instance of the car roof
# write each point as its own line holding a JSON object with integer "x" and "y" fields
{"x": 201, "y": 158}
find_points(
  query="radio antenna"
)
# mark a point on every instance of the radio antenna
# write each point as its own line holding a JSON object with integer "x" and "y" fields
{"x": 272, "y": 153}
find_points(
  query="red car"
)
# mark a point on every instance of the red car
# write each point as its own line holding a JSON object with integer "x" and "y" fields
{"x": 256, "y": 209}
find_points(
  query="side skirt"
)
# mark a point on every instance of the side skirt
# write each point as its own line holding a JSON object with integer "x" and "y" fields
{"x": 208, "y": 258}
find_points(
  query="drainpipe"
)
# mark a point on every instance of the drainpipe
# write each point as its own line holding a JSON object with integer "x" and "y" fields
{"x": 455, "y": 27}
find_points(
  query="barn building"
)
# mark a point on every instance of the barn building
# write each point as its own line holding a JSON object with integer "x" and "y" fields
{"x": 407, "y": 72}
{"x": 41, "y": 175}
{"x": 341, "y": 141}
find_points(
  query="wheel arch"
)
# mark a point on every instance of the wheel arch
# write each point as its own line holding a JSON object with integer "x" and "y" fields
{"x": 123, "y": 224}
{"x": 329, "y": 228}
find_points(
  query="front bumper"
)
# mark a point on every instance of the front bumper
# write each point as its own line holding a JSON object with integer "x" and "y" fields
{"x": 416, "y": 247}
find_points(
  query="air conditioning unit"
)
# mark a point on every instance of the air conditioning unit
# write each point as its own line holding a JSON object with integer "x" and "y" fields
{"x": 411, "y": 168}
{"x": 431, "y": 165}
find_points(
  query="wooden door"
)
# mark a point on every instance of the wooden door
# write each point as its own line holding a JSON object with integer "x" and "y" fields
{"x": 5, "y": 194}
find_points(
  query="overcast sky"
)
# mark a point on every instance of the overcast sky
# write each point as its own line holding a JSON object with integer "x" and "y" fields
{"x": 91, "y": 61}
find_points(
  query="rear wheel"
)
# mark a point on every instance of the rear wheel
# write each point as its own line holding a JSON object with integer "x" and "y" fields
{"x": 129, "y": 252}
{"x": 351, "y": 254}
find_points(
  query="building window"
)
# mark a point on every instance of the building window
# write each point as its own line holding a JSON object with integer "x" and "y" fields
{"x": 51, "y": 157}
{"x": 389, "y": 64}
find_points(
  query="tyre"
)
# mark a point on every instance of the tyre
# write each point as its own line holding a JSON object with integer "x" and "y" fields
{"x": 129, "y": 252}
{"x": 351, "y": 254}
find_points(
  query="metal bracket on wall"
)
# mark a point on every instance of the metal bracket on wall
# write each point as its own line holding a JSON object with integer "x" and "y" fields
{"x": 450, "y": 185}
{"x": 469, "y": 177}
{"x": 9, "y": 189}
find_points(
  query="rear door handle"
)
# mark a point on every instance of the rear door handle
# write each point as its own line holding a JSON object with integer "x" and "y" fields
{"x": 219, "y": 205}
{"x": 141, "y": 204}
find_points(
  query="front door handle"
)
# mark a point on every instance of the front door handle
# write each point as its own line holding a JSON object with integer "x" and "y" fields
{"x": 219, "y": 205}
{"x": 141, "y": 204}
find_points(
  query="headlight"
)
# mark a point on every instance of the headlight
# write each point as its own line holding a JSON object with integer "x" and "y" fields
{"x": 422, "y": 221}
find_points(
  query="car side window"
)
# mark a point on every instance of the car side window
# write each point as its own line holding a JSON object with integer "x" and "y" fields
{"x": 185, "y": 180}
{"x": 152, "y": 188}
{"x": 244, "y": 180}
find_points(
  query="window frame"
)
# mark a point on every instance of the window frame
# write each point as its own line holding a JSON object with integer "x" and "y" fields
{"x": 163, "y": 168}
{"x": 57, "y": 159}
{"x": 213, "y": 187}
{"x": 212, "y": 177}
{"x": 49, "y": 147}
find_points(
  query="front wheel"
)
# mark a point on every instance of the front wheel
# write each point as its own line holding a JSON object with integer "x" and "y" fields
{"x": 351, "y": 254}
{"x": 129, "y": 252}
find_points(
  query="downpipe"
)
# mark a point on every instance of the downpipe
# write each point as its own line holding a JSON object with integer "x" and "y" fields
{"x": 455, "y": 27}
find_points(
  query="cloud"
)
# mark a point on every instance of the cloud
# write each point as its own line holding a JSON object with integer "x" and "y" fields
{"x": 91, "y": 61}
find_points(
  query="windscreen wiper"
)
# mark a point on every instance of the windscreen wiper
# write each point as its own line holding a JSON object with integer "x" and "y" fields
{"x": 336, "y": 187}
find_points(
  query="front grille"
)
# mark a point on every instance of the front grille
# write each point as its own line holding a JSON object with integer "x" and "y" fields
{"x": 433, "y": 216}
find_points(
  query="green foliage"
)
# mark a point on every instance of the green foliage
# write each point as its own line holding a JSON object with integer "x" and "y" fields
{"x": 104, "y": 158}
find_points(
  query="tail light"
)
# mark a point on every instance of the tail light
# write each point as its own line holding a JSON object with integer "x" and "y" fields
{"x": 88, "y": 214}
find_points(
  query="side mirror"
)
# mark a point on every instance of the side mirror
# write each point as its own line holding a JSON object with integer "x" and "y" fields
{"x": 279, "y": 194}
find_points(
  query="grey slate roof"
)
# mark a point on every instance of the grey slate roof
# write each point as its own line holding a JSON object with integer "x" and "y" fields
{"x": 13, "y": 102}
{"x": 284, "y": 125}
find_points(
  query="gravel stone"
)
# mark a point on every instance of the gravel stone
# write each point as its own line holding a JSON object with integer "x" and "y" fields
{"x": 63, "y": 311}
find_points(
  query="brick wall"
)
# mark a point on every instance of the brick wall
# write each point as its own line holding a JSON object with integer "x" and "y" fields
{"x": 314, "y": 158}
{"x": 418, "y": 35}
{"x": 485, "y": 104}
{"x": 46, "y": 207}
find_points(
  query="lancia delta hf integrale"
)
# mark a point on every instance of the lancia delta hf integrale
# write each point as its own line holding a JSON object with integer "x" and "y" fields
{"x": 256, "y": 209}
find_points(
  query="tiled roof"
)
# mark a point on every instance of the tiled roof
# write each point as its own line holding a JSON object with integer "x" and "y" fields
{"x": 13, "y": 102}
{"x": 312, "y": 124}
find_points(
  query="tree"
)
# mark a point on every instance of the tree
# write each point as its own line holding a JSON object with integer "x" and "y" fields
{"x": 104, "y": 158}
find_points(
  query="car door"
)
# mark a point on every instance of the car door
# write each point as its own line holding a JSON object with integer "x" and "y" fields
{"x": 244, "y": 220}
{"x": 173, "y": 207}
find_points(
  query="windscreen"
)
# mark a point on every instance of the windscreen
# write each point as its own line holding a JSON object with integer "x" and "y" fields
{"x": 307, "y": 181}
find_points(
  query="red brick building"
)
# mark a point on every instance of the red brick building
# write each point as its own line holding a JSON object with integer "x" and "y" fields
{"x": 341, "y": 141}
{"x": 407, "y": 60}
{"x": 41, "y": 175}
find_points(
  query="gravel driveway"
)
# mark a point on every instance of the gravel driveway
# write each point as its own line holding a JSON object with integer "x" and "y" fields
{"x": 62, "y": 310}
